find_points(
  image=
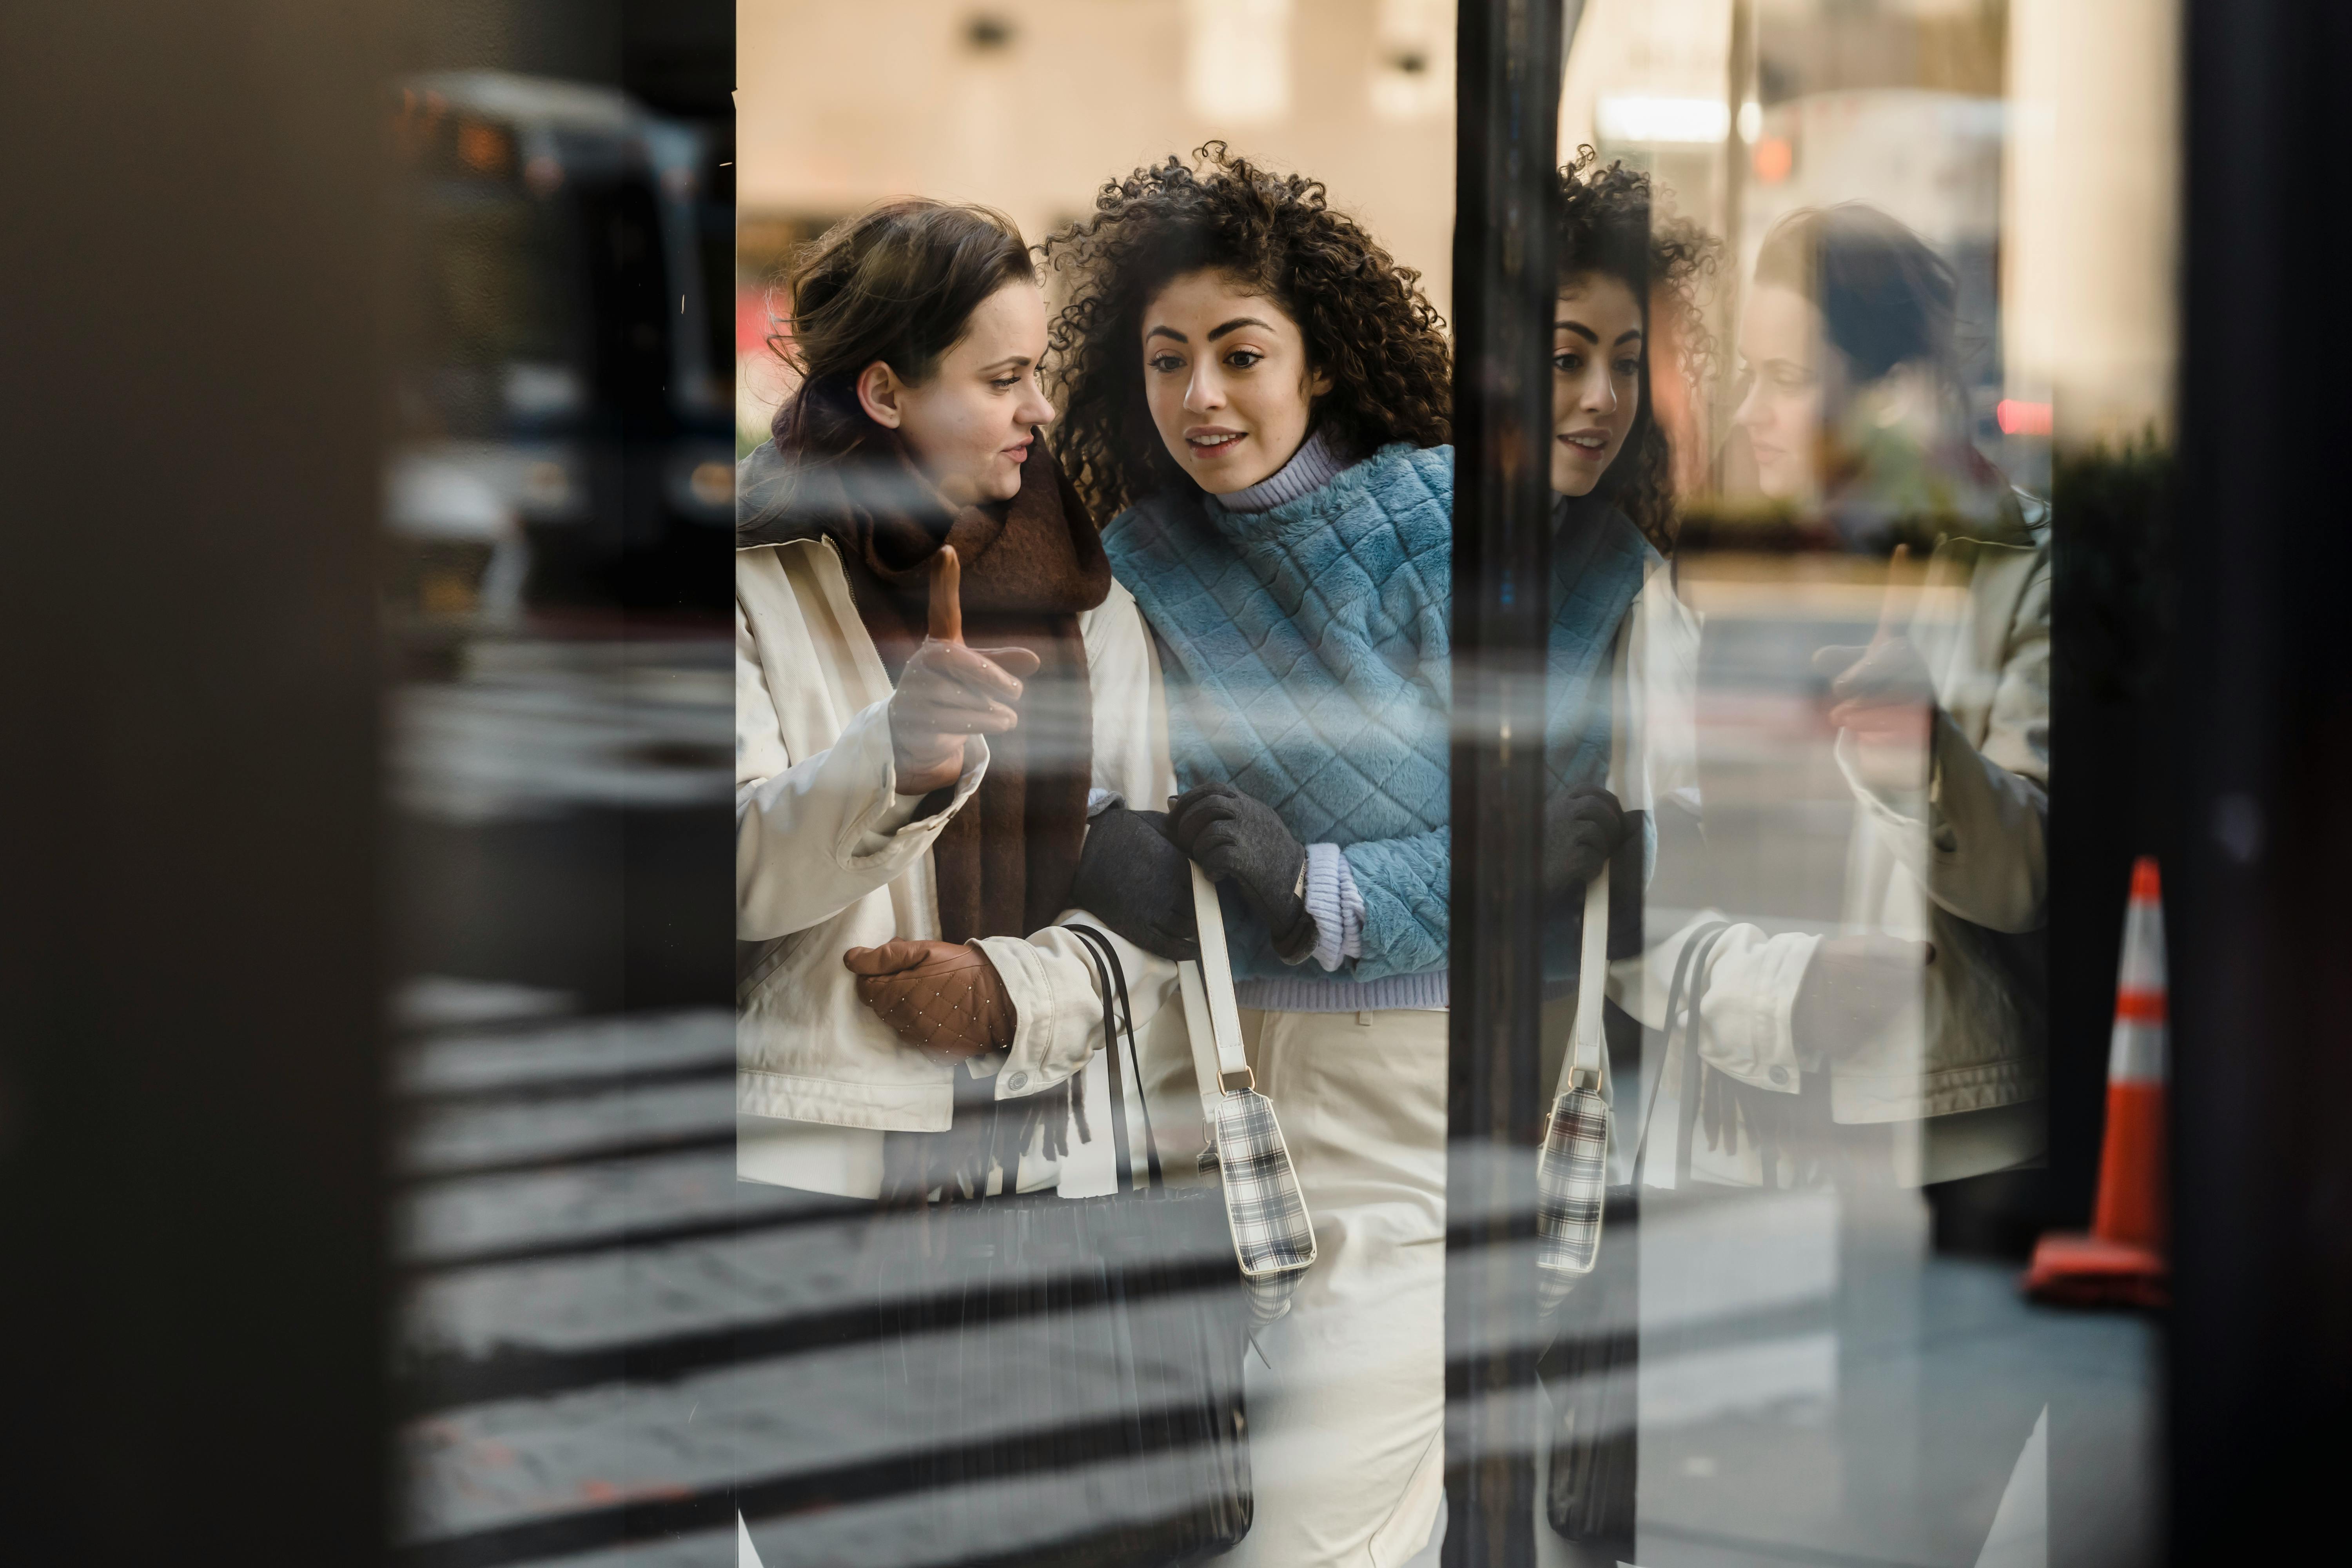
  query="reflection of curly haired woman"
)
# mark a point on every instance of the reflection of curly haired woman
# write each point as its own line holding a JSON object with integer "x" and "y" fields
{"x": 1260, "y": 393}
{"x": 1610, "y": 229}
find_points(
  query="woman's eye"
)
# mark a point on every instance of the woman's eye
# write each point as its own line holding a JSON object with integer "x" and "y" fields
{"x": 1005, "y": 383}
{"x": 1242, "y": 359}
{"x": 1567, "y": 363}
{"x": 1628, "y": 367}
{"x": 1165, "y": 363}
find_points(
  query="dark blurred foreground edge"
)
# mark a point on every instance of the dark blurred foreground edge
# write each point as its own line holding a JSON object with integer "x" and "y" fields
{"x": 2260, "y": 925}
{"x": 191, "y": 1297}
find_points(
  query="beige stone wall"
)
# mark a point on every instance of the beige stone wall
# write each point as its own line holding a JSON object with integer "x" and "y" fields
{"x": 2091, "y": 267}
{"x": 838, "y": 105}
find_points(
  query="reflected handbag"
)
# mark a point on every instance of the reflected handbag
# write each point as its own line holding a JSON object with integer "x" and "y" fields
{"x": 1588, "y": 1262}
{"x": 1062, "y": 1382}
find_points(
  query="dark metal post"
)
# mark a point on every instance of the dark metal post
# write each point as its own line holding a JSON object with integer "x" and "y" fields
{"x": 2260, "y": 1358}
{"x": 1503, "y": 284}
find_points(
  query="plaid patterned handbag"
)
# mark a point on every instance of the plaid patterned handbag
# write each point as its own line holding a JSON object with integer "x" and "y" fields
{"x": 1572, "y": 1170}
{"x": 1273, "y": 1237}
{"x": 1590, "y": 1368}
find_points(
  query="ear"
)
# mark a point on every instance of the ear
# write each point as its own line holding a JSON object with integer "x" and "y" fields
{"x": 879, "y": 389}
{"x": 1320, "y": 384}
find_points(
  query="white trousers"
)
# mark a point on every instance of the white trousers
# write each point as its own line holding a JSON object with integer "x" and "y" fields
{"x": 1346, "y": 1411}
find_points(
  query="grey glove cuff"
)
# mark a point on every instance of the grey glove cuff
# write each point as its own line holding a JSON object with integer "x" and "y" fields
{"x": 1297, "y": 944}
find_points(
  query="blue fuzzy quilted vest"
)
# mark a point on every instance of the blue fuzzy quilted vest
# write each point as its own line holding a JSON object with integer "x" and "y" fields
{"x": 1308, "y": 657}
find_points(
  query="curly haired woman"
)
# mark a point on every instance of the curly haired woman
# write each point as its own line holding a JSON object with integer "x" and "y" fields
{"x": 1260, "y": 392}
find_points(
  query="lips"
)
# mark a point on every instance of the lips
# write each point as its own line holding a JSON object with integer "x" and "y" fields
{"x": 1588, "y": 443}
{"x": 1212, "y": 443}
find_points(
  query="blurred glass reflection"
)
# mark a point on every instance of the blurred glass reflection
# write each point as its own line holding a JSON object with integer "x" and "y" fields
{"x": 573, "y": 1253}
{"x": 1843, "y": 1084}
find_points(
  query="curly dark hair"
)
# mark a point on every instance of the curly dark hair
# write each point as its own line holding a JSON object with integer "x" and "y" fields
{"x": 1610, "y": 224}
{"x": 1366, "y": 323}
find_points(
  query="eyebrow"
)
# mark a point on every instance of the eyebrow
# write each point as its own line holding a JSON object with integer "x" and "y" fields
{"x": 1235, "y": 325}
{"x": 1589, "y": 336}
{"x": 1010, "y": 362}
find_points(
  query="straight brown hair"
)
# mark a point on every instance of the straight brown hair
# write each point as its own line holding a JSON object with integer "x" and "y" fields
{"x": 897, "y": 283}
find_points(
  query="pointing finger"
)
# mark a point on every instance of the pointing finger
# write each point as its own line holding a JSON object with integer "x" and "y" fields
{"x": 947, "y": 607}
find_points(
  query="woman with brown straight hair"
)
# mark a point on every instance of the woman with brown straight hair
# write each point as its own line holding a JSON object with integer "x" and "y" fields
{"x": 935, "y": 675}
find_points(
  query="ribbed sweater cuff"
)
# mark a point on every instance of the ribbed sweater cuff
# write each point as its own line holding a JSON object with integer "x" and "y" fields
{"x": 1337, "y": 908}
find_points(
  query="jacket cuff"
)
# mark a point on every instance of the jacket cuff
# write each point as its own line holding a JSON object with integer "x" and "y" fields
{"x": 1050, "y": 1038}
{"x": 1894, "y": 807}
{"x": 885, "y": 824}
{"x": 1753, "y": 1036}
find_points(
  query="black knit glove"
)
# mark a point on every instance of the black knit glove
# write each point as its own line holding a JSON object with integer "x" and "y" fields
{"x": 1240, "y": 840}
{"x": 1133, "y": 878}
{"x": 1581, "y": 830}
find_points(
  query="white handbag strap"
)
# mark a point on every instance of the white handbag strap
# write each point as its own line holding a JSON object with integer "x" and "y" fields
{"x": 1590, "y": 1042}
{"x": 1210, "y": 1015}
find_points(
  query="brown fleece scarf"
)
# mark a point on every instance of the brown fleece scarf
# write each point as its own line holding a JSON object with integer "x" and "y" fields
{"x": 1005, "y": 863}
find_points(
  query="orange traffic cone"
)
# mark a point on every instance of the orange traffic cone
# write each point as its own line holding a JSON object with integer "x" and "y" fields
{"x": 2121, "y": 1262}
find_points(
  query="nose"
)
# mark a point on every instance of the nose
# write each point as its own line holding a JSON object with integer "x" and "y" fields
{"x": 1036, "y": 408}
{"x": 1205, "y": 393}
{"x": 1600, "y": 392}
{"x": 1751, "y": 412}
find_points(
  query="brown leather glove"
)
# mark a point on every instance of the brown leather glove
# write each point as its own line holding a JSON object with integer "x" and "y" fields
{"x": 943, "y": 998}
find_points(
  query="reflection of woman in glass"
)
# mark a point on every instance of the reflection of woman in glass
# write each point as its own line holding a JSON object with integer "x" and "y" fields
{"x": 1854, "y": 414}
{"x": 1260, "y": 393}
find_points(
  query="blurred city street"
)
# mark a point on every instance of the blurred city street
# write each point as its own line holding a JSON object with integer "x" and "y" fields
{"x": 572, "y": 1242}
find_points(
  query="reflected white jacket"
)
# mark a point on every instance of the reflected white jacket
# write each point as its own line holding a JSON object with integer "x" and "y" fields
{"x": 1962, "y": 863}
{"x": 1654, "y": 767}
{"x": 827, "y": 859}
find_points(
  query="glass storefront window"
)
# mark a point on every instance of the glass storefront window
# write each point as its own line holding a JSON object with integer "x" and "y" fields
{"x": 1259, "y": 1037}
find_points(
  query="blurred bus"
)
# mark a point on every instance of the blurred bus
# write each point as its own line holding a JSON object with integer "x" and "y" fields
{"x": 564, "y": 388}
